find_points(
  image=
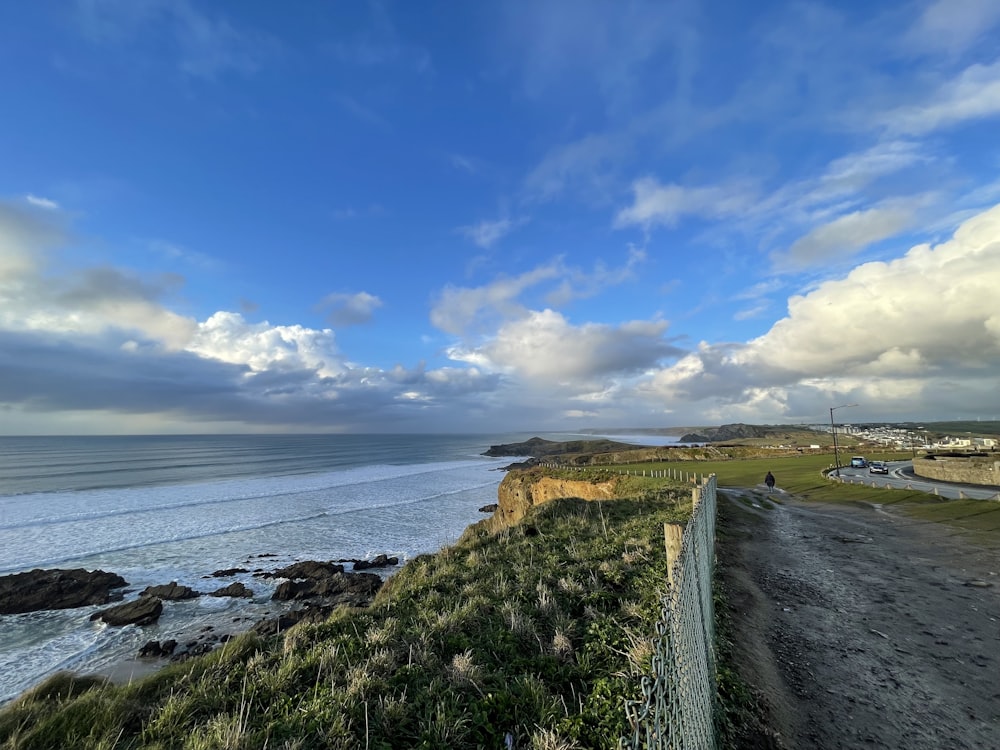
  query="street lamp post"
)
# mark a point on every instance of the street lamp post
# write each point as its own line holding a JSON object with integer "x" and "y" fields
{"x": 833, "y": 428}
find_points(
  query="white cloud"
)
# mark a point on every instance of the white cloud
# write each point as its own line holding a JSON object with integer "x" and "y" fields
{"x": 25, "y": 236}
{"x": 350, "y": 309}
{"x": 487, "y": 233}
{"x": 545, "y": 346}
{"x": 853, "y": 172}
{"x": 973, "y": 95}
{"x": 459, "y": 308}
{"x": 585, "y": 164}
{"x": 580, "y": 284}
{"x": 654, "y": 203}
{"x": 752, "y": 312}
{"x": 954, "y": 25}
{"x": 35, "y": 200}
{"x": 228, "y": 337}
{"x": 846, "y": 235}
{"x": 898, "y": 330}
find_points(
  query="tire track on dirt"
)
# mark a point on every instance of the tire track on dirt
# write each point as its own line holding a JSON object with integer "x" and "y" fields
{"x": 862, "y": 629}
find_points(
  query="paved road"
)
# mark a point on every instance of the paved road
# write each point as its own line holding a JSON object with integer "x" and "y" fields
{"x": 901, "y": 476}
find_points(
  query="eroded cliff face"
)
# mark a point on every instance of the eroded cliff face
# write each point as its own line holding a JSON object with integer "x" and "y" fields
{"x": 520, "y": 490}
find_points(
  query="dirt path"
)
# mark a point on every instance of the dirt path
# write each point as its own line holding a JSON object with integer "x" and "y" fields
{"x": 864, "y": 629}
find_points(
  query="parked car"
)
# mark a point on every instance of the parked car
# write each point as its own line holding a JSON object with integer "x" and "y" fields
{"x": 858, "y": 462}
{"x": 878, "y": 467}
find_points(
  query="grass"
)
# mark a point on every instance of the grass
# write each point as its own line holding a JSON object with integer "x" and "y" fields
{"x": 539, "y": 631}
{"x": 802, "y": 476}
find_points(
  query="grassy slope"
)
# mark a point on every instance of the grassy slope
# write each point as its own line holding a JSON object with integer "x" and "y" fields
{"x": 539, "y": 631}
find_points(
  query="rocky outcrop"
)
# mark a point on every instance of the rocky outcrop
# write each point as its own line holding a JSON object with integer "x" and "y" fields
{"x": 170, "y": 592}
{"x": 352, "y": 589}
{"x": 326, "y": 581}
{"x": 37, "y": 590}
{"x": 521, "y": 490}
{"x": 235, "y": 590}
{"x": 379, "y": 561}
{"x": 305, "y": 569}
{"x": 228, "y": 572}
{"x": 157, "y": 648}
{"x": 143, "y": 611}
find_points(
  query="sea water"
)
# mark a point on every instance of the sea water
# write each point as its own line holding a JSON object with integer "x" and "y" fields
{"x": 156, "y": 509}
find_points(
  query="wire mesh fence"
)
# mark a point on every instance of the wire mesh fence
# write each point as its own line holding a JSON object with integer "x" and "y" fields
{"x": 677, "y": 708}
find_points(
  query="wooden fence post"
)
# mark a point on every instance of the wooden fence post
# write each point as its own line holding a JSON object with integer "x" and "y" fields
{"x": 672, "y": 533}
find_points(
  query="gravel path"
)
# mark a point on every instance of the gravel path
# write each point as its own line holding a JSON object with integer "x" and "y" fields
{"x": 862, "y": 628}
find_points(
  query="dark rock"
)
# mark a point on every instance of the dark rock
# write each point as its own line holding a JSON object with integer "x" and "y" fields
{"x": 346, "y": 587}
{"x": 143, "y": 611}
{"x": 234, "y": 589}
{"x": 228, "y": 572}
{"x": 195, "y": 648}
{"x": 38, "y": 590}
{"x": 170, "y": 592}
{"x": 491, "y": 508}
{"x": 309, "y": 613}
{"x": 155, "y": 648}
{"x": 379, "y": 561}
{"x": 288, "y": 590}
{"x": 306, "y": 569}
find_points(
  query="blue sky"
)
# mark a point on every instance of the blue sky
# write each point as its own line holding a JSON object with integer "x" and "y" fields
{"x": 451, "y": 216}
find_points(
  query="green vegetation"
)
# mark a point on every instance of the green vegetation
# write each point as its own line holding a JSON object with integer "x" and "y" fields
{"x": 803, "y": 477}
{"x": 539, "y": 630}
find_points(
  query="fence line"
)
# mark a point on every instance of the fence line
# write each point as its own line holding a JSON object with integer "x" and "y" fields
{"x": 678, "y": 705}
{"x": 671, "y": 473}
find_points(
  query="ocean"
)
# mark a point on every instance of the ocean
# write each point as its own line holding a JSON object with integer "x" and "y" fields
{"x": 156, "y": 509}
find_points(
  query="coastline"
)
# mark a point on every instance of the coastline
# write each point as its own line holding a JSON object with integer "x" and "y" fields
{"x": 511, "y": 623}
{"x": 135, "y": 508}
{"x": 205, "y": 630}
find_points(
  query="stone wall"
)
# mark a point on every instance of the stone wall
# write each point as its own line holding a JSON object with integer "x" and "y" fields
{"x": 953, "y": 469}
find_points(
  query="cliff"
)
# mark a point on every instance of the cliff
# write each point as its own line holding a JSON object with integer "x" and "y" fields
{"x": 520, "y": 490}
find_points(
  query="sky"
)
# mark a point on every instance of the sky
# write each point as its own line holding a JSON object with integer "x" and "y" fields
{"x": 525, "y": 215}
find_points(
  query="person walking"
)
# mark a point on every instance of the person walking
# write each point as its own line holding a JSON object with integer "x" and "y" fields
{"x": 769, "y": 481}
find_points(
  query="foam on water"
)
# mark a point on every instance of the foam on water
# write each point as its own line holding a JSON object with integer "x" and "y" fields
{"x": 52, "y": 529}
{"x": 158, "y": 532}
